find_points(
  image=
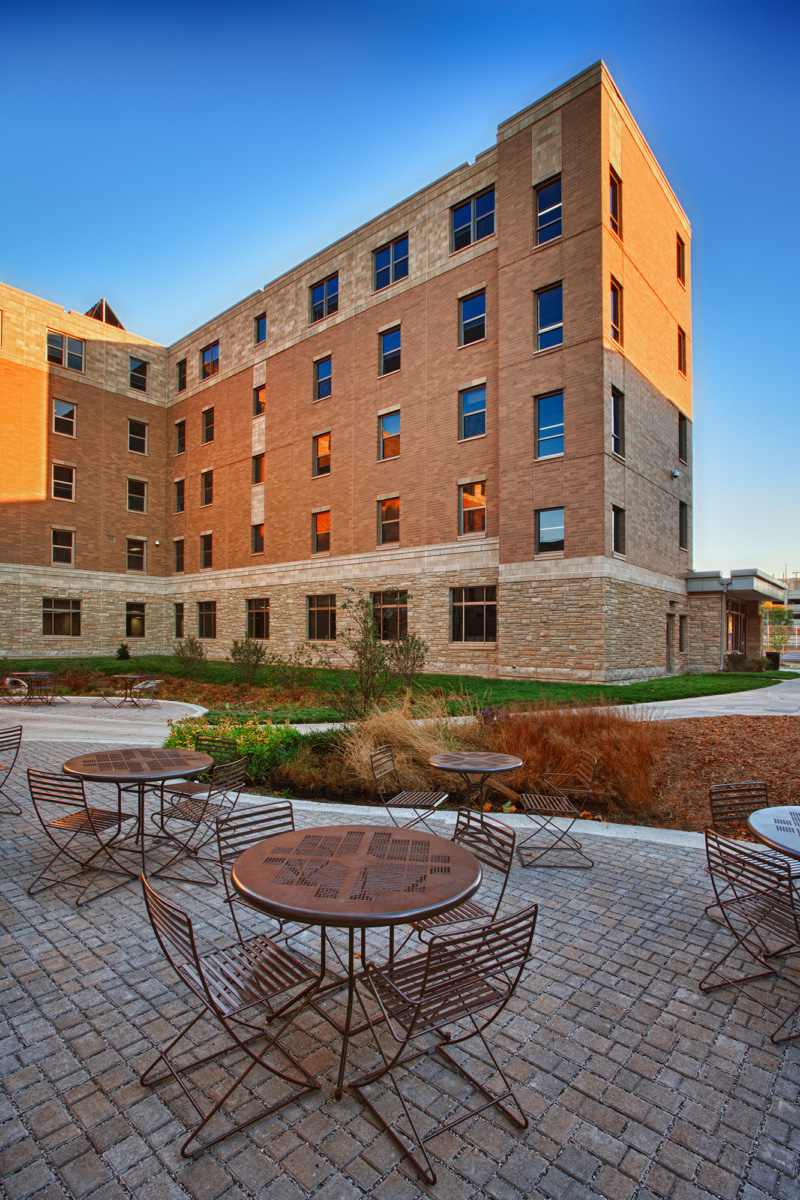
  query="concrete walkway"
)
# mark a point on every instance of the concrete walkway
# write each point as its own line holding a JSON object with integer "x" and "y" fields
{"x": 75, "y": 719}
{"x": 780, "y": 700}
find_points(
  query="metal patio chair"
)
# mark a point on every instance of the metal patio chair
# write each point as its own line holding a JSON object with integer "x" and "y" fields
{"x": 230, "y": 984}
{"x": 433, "y": 1001}
{"x": 188, "y": 818}
{"x": 731, "y": 804}
{"x": 546, "y": 807}
{"x": 10, "y": 740}
{"x": 759, "y": 901}
{"x": 241, "y": 829}
{"x": 144, "y": 693}
{"x": 387, "y": 780}
{"x": 221, "y": 749}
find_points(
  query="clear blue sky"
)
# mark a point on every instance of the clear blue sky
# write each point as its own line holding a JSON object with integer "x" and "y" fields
{"x": 175, "y": 157}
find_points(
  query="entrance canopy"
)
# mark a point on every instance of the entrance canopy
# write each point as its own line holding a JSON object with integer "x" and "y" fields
{"x": 749, "y": 584}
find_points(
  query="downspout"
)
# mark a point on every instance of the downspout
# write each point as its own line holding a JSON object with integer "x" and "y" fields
{"x": 726, "y": 583}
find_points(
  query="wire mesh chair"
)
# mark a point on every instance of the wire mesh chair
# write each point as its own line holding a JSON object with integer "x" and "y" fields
{"x": 144, "y": 693}
{"x": 84, "y": 835}
{"x": 441, "y": 998}
{"x": 387, "y": 779}
{"x": 760, "y": 903}
{"x": 241, "y": 829}
{"x": 10, "y": 740}
{"x": 230, "y": 983}
{"x": 731, "y": 804}
{"x": 544, "y": 809}
{"x": 222, "y": 750}
{"x": 189, "y": 820}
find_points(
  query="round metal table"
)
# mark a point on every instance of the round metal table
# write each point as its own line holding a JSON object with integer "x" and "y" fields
{"x": 778, "y": 828}
{"x": 475, "y": 762}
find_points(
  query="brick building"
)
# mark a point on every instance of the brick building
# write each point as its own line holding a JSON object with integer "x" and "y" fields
{"x": 476, "y": 407}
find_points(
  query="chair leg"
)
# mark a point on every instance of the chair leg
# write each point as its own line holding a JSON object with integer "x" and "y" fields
{"x": 14, "y": 810}
{"x": 562, "y": 842}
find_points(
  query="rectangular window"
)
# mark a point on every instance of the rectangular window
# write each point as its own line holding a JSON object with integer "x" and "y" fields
{"x": 321, "y": 454}
{"x": 618, "y": 529}
{"x": 616, "y": 311}
{"x": 257, "y": 539}
{"x": 683, "y": 438}
{"x": 179, "y": 560}
{"x": 390, "y": 351}
{"x": 389, "y": 521}
{"x": 134, "y": 620}
{"x": 258, "y": 400}
{"x": 180, "y": 375}
{"x": 322, "y": 618}
{"x": 681, "y": 258}
{"x": 473, "y": 220}
{"x": 178, "y": 620}
{"x": 320, "y": 532}
{"x": 548, "y": 211}
{"x": 209, "y": 360}
{"x": 258, "y": 618}
{"x": 206, "y": 488}
{"x": 63, "y": 482}
{"x": 681, "y": 351}
{"x": 473, "y": 614}
{"x": 180, "y": 437}
{"x": 137, "y": 495}
{"x": 472, "y": 508}
{"x": 472, "y": 412}
{"x": 64, "y": 418}
{"x": 260, "y": 328}
{"x": 549, "y": 318}
{"x": 549, "y": 530}
{"x": 207, "y": 619}
{"x": 472, "y": 319}
{"x": 206, "y": 550}
{"x": 617, "y": 422}
{"x": 683, "y": 526}
{"x": 56, "y": 347}
{"x": 258, "y": 469}
{"x": 391, "y": 262}
{"x": 61, "y": 618}
{"x": 63, "y": 547}
{"x": 390, "y": 615}
{"x": 135, "y": 554}
{"x": 323, "y": 378}
{"x": 138, "y": 376}
{"x": 389, "y": 435}
{"x": 549, "y": 425}
{"x": 325, "y": 298}
{"x": 615, "y": 201}
{"x": 137, "y": 436}
{"x": 208, "y": 426}
{"x": 683, "y": 634}
{"x": 180, "y": 495}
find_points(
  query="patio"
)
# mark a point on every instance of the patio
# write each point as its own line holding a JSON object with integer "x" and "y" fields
{"x": 637, "y": 1086}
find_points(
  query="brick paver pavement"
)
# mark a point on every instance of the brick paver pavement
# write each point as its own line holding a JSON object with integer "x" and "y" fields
{"x": 637, "y": 1086}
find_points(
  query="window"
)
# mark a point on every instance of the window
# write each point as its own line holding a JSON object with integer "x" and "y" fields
{"x": 473, "y": 220}
{"x": 323, "y": 378}
{"x": 681, "y": 258}
{"x": 258, "y": 468}
{"x": 321, "y": 454}
{"x": 208, "y": 426}
{"x": 137, "y": 495}
{"x": 389, "y": 521}
{"x": 325, "y": 298}
{"x": 472, "y": 412}
{"x": 390, "y": 351}
{"x": 178, "y": 620}
{"x": 206, "y": 550}
{"x": 209, "y": 360}
{"x": 135, "y": 554}
{"x": 206, "y": 488}
{"x": 683, "y": 634}
{"x": 63, "y": 546}
{"x": 64, "y": 418}
{"x": 180, "y": 437}
{"x": 207, "y": 619}
{"x": 258, "y": 400}
{"x": 472, "y": 508}
{"x": 137, "y": 437}
{"x": 615, "y": 201}
{"x": 178, "y": 544}
{"x": 320, "y": 532}
{"x": 683, "y": 438}
{"x": 683, "y": 525}
{"x": 390, "y": 615}
{"x": 138, "y": 377}
{"x": 548, "y": 211}
{"x": 549, "y": 530}
{"x": 617, "y": 422}
{"x": 61, "y": 618}
{"x": 618, "y": 529}
{"x": 389, "y": 435}
{"x": 549, "y": 318}
{"x": 258, "y": 618}
{"x": 616, "y": 311}
{"x": 134, "y": 620}
{"x": 472, "y": 319}
{"x": 550, "y": 425}
{"x": 391, "y": 262}
{"x": 257, "y": 539}
{"x": 473, "y": 614}
{"x": 180, "y": 376}
{"x": 322, "y": 618}
{"x": 63, "y": 482}
{"x": 681, "y": 351}
{"x": 55, "y": 351}
{"x": 180, "y": 495}
{"x": 260, "y": 328}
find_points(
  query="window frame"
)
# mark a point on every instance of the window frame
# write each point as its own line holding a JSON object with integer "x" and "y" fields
{"x": 179, "y": 617}
{"x": 474, "y": 220}
{"x": 682, "y": 351}
{"x": 617, "y": 422}
{"x": 73, "y": 419}
{"x": 390, "y": 608}
{"x": 206, "y": 551}
{"x": 540, "y": 438}
{"x": 206, "y": 488}
{"x": 257, "y": 607}
{"x": 257, "y": 472}
{"x": 207, "y": 620}
{"x": 139, "y": 376}
{"x": 462, "y": 599}
{"x": 180, "y": 436}
{"x": 207, "y": 426}
{"x": 387, "y": 356}
{"x": 57, "y": 354}
{"x": 61, "y": 606}
{"x": 470, "y": 514}
{"x": 683, "y": 525}
{"x": 260, "y": 329}
{"x": 553, "y": 548}
{"x": 329, "y": 301}
{"x": 209, "y": 361}
{"x": 180, "y": 495}
{"x": 539, "y": 227}
{"x": 384, "y": 438}
{"x": 556, "y": 326}
{"x": 617, "y": 330}
{"x": 178, "y": 556}
{"x": 323, "y": 384}
{"x": 683, "y": 438}
{"x": 387, "y": 521}
{"x": 130, "y": 616}
{"x": 180, "y": 375}
{"x": 73, "y": 482}
{"x": 680, "y": 259}
{"x": 618, "y": 530}
{"x": 314, "y": 611}
{"x": 257, "y": 538}
{"x": 68, "y": 549}
{"x": 466, "y": 324}
{"x": 133, "y": 546}
{"x": 463, "y": 417}
{"x": 133, "y": 494}
{"x": 615, "y": 202}
{"x": 394, "y": 260}
{"x": 319, "y": 534}
{"x": 136, "y": 437}
{"x": 318, "y": 469}
{"x": 259, "y": 400}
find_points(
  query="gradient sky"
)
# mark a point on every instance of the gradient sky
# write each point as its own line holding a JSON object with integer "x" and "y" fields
{"x": 175, "y": 157}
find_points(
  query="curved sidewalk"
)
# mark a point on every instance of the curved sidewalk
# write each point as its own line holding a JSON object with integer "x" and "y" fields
{"x": 79, "y": 721}
{"x": 779, "y": 700}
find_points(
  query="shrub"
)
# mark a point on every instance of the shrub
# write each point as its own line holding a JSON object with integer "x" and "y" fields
{"x": 266, "y": 745}
{"x": 189, "y": 654}
{"x": 123, "y": 651}
{"x": 407, "y": 656}
{"x": 247, "y": 656}
{"x": 736, "y": 661}
{"x": 292, "y": 673}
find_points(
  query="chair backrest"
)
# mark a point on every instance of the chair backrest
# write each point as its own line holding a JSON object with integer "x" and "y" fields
{"x": 48, "y": 788}
{"x": 221, "y": 749}
{"x": 228, "y": 776}
{"x": 491, "y": 841}
{"x": 585, "y": 770}
{"x": 732, "y": 803}
{"x": 9, "y": 743}
{"x": 146, "y": 685}
{"x": 171, "y": 925}
{"x": 244, "y": 827}
{"x": 387, "y": 780}
{"x": 740, "y": 871}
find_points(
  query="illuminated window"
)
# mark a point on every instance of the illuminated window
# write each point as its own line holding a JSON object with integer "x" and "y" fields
{"x": 257, "y": 539}
{"x": 134, "y": 620}
{"x": 472, "y": 507}
{"x": 320, "y": 532}
{"x": 321, "y": 454}
{"x": 209, "y": 360}
{"x": 388, "y": 521}
{"x": 258, "y": 400}
{"x": 389, "y": 435}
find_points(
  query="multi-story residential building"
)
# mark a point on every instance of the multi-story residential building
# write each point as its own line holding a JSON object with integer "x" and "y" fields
{"x": 476, "y": 407}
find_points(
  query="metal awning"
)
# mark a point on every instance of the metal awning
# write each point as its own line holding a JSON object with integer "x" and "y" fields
{"x": 748, "y": 584}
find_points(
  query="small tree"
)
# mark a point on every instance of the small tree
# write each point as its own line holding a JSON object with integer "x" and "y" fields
{"x": 247, "y": 656}
{"x": 407, "y": 656}
{"x": 189, "y": 654}
{"x": 291, "y": 673}
{"x": 779, "y": 625}
{"x": 123, "y": 651}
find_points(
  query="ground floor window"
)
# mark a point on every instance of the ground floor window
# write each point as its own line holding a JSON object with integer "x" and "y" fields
{"x": 61, "y": 618}
{"x": 258, "y": 617}
{"x": 322, "y": 618}
{"x": 134, "y": 620}
{"x": 178, "y": 620}
{"x": 683, "y": 634}
{"x": 736, "y": 627}
{"x": 207, "y": 619}
{"x": 390, "y": 614}
{"x": 473, "y": 614}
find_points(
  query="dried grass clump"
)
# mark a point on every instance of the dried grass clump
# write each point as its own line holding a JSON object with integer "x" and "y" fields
{"x": 412, "y": 740}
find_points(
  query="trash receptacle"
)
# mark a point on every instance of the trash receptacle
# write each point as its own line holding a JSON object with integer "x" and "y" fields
{"x": 773, "y": 657}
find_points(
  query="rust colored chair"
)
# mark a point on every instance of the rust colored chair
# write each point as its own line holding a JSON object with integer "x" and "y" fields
{"x": 189, "y": 819}
{"x": 245, "y": 827}
{"x": 10, "y": 740}
{"x": 731, "y": 804}
{"x": 548, "y": 838}
{"x": 387, "y": 780}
